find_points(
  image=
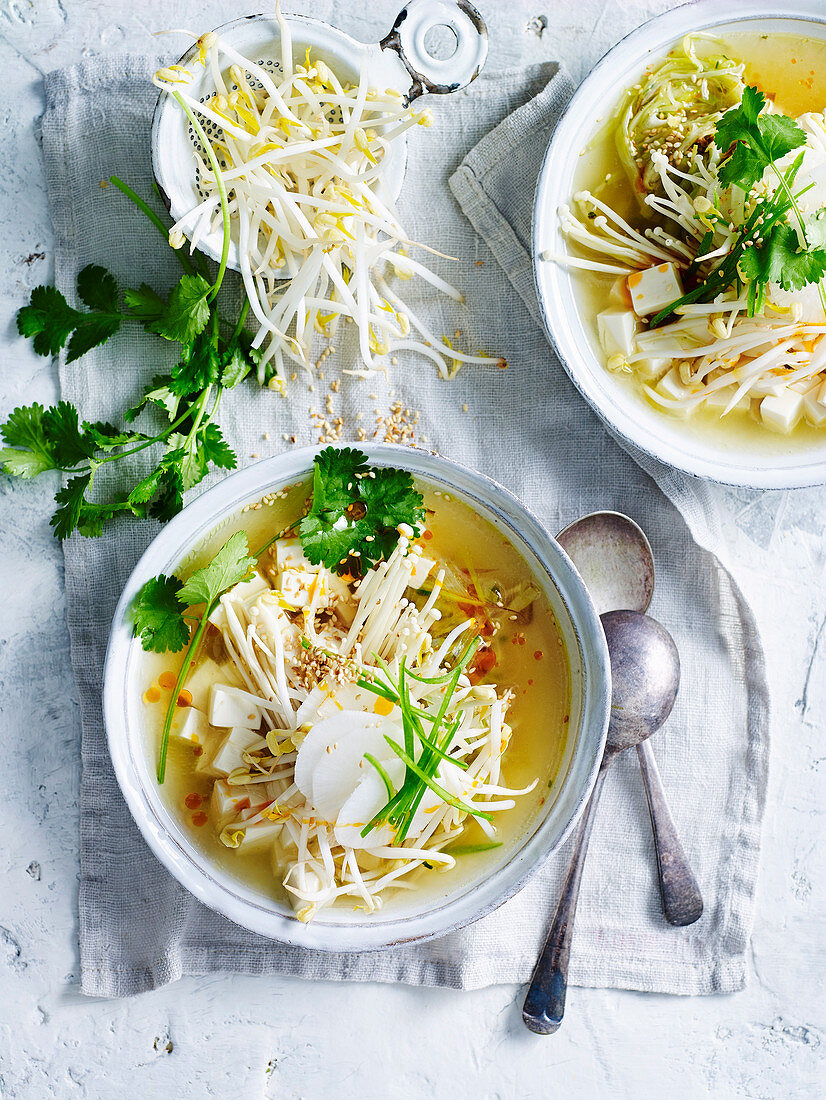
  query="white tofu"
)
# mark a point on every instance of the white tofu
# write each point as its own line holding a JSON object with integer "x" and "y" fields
{"x": 190, "y": 724}
{"x": 293, "y": 586}
{"x": 326, "y": 700}
{"x": 422, "y": 567}
{"x": 650, "y": 369}
{"x": 814, "y": 406}
{"x": 782, "y": 412}
{"x": 617, "y": 329}
{"x": 218, "y": 618}
{"x": 671, "y": 385}
{"x": 655, "y": 288}
{"x": 290, "y": 555}
{"x": 229, "y": 706}
{"x": 231, "y": 748}
{"x": 201, "y": 680}
{"x": 619, "y": 295}
{"x": 247, "y": 591}
{"x": 226, "y": 799}
{"x": 770, "y": 385}
{"x": 718, "y": 400}
{"x": 262, "y": 831}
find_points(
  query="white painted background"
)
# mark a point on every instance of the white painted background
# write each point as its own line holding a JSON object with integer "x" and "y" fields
{"x": 249, "y": 1037}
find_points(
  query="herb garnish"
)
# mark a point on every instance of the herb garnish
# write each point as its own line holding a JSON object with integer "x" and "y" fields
{"x": 158, "y": 614}
{"x": 356, "y": 511}
{"x": 419, "y": 774}
{"x": 214, "y": 356}
{"x": 768, "y": 249}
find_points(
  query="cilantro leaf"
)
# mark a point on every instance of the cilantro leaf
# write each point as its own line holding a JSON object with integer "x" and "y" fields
{"x": 235, "y": 368}
{"x": 170, "y": 499}
{"x": 144, "y": 303}
{"x": 780, "y": 260}
{"x": 230, "y": 565}
{"x": 157, "y": 616}
{"x": 107, "y": 436}
{"x": 159, "y": 393}
{"x": 70, "y": 501}
{"x": 187, "y": 312}
{"x": 216, "y": 449}
{"x": 356, "y": 510}
{"x": 93, "y": 329}
{"x": 68, "y": 444}
{"x": 28, "y": 453}
{"x": 48, "y": 319}
{"x": 198, "y": 368}
{"x": 97, "y": 289}
{"x": 759, "y": 140}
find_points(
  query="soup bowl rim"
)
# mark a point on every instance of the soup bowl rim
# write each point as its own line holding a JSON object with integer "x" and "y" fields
{"x": 195, "y": 870}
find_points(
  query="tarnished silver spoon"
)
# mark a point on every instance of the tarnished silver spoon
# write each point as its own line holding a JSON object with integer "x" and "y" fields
{"x": 645, "y": 675}
{"x": 614, "y": 558}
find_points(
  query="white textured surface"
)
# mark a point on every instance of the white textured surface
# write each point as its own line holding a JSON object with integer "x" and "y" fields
{"x": 234, "y": 1036}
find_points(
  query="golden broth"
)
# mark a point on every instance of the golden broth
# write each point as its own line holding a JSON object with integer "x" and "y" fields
{"x": 531, "y": 660}
{"x": 789, "y": 69}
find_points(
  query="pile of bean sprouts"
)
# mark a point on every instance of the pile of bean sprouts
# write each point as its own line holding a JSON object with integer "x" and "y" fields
{"x": 319, "y": 860}
{"x": 294, "y": 168}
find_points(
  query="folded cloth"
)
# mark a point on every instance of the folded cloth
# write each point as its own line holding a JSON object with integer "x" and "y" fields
{"x": 525, "y": 426}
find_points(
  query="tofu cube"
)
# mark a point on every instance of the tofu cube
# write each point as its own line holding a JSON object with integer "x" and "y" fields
{"x": 814, "y": 405}
{"x": 261, "y": 832}
{"x": 619, "y": 294}
{"x": 655, "y": 288}
{"x": 290, "y": 555}
{"x": 232, "y": 747}
{"x": 782, "y": 412}
{"x": 190, "y": 724}
{"x": 617, "y": 329}
{"x": 770, "y": 385}
{"x": 228, "y": 801}
{"x": 671, "y": 385}
{"x": 201, "y": 680}
{"x": 229, "y": 706}
{"x": 248, "y": 591}
{"x": 718, "y": 400}
{"x": 421, "y": 567}
{"x": 651, "y": 370}
{"x": 294, "y": 588}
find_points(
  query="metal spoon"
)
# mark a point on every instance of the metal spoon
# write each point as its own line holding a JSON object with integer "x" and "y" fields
{"x": 614, "y": 559}
{"x": 645, "y": 674}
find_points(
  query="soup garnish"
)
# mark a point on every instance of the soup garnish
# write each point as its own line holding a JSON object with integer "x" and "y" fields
{"x": 717, "y": 233}
{"x": 344, "y": 709}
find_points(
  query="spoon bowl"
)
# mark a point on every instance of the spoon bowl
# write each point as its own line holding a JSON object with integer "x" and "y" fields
{"x": 614, "y": 558}
{"x": 645, "y": 677}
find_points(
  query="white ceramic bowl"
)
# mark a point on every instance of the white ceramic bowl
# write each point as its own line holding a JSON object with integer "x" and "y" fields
{"x": 759, "y": 460}
{"x": 133, "y": 757}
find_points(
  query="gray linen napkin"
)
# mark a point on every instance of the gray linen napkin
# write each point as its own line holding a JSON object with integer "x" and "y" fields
{"x": 525, "y": 426}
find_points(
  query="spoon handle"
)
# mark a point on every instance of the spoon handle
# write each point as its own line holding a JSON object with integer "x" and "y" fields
{"x": 545, "y": 1003}
{"x": 682, "y": 901}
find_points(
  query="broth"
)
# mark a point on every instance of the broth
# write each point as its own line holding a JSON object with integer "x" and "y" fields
{"x": 531, "y": 659}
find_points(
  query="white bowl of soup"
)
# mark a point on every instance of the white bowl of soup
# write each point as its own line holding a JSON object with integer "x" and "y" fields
{"x": 713, "y": 369}
{"x": 469, "y": 661}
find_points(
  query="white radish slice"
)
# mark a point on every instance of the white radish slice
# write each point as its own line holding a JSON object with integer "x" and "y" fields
{"x": 364, "y": 803}
{"x": 424, "y": 812}
{"x": 329, "y": 763}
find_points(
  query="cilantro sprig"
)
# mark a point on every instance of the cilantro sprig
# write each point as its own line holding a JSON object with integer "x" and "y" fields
{"x": 776, "y": 243}
{"x": 159, "y": 615}
{"x": 214, "y": 356}
{"x": 356, "y": 510}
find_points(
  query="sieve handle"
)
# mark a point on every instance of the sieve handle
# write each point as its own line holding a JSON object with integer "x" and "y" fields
{"x": 432, "y": 74}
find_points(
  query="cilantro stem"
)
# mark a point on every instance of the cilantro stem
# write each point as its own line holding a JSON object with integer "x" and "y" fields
{"x": 189, "y": 657}
{"x": 792, "y": 200}
{"x": 183, "y": 259}
{"x": 219, "y": 182}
